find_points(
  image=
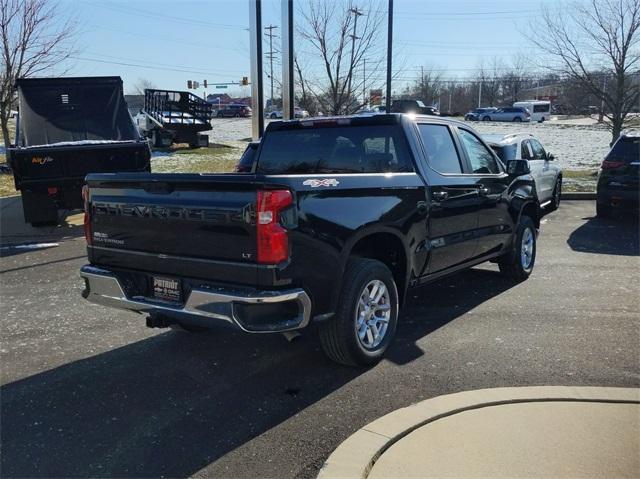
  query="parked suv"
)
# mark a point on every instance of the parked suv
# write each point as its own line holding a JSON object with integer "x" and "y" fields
{"x": 478, "y": 113}
{"x": 545, "y": 169}
{"x": 335, "y": 221}
{"x": 413, "y": 106}
{"x": 619, "y": 178}
{"x": 510, "y": 113}
{"x": 234, "y": 111}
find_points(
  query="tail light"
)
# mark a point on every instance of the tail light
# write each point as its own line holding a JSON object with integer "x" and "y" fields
{"x": 273, "y": 241}
{"x": 611, "y": 165}
{"x": 87, "y": 217}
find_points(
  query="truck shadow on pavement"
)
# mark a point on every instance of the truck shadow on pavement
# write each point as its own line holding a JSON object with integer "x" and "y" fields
{"x": 173, "y": 404}
{"x": 616, "y": 236}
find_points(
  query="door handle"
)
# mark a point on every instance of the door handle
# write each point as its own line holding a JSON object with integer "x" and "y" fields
{"x": 439, "y": 195}
{"x": 483, "y": 191}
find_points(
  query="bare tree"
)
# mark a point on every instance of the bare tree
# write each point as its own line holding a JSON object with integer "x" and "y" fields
{"x": 141, "y": 85}
{"x": 343, "y": 36}
{"x": 592, "y": 43}
{"x": 34, "y": 40}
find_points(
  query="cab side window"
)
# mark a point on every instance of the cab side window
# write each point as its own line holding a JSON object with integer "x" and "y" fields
{"x": 481, "y": 159}
{"x": 525, "y": 152}
{"x": 441, "y": 152}
{"x": 538, "y": 150}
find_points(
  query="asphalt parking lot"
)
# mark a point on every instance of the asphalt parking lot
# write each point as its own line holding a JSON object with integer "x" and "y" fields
{"x": 88, "y": 391}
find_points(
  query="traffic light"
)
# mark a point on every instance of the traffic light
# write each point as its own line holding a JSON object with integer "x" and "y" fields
{"x": 245, "y": 81}
{"x": 205, "y": 83}
{"x": 189, "y": 84}
{"x": 196, "y": 85}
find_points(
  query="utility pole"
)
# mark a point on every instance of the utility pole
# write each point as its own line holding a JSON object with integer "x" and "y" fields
{"x": 356, "y": 13}
{"x": 270, "y": 55}
{"x": 479, "y": 93}
{"x": 450, "y": 88}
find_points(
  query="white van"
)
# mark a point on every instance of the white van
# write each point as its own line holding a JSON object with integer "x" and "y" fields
{"x": 540, "y": 109}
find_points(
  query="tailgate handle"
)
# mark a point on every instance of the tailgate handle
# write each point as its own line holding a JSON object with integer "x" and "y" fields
{"x": 157, "y": 188}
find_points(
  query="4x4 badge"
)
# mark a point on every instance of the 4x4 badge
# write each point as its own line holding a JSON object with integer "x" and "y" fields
{"x": 316, "y": 183}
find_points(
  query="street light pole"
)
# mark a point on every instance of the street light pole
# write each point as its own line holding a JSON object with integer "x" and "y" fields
{"x": 353, "y": 36}
{"x": 389, "y": 54}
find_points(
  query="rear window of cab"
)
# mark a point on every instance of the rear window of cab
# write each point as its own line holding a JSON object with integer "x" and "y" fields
{"x": 339, "y": 150}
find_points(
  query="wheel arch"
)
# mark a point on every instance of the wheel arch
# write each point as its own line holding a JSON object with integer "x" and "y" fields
{"x": 388, "y": 247}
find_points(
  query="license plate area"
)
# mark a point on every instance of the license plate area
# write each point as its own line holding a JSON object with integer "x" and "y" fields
{"x": 166, "y": 289}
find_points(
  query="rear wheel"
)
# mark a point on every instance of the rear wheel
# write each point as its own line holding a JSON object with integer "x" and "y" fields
{"x": 557, "y": 193}
{"x": 486, "y": 118}
{"x": 219, "y": 114}
{"x": 518, "y": 262}
{"x": 366, "y": 317}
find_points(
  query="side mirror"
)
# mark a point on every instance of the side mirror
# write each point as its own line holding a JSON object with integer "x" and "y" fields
{"x": 518, "y": 167}
{"x": 550, "y": 157}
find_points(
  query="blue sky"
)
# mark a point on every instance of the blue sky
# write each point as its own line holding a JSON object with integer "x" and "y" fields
{"x": 170, "y": 42}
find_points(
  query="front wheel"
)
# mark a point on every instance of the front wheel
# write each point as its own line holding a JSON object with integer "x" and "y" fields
{"x": 518, "y": 262}
{"x": 486, "y": 118}
{"x": 517, "y": 119}
{"x": 366, "y": 317}
{"x": 557, "y": 193}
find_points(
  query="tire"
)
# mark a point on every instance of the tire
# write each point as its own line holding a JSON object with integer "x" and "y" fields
{"x": 237, "y": 115}
{"x": 219, "y": 115}
{"x": 542, "y": 120}
{"x": 486, "y": 118}
{"x": 516, "y": 264}
{"x": 341, "y": 339}
{"x": 273, "y": 116}
{"x": 517, "y": 119}
{"x": 557, "y": 193}
{"x": 603, "y": 211}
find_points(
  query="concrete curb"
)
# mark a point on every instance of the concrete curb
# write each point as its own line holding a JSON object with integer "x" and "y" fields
{"x": 578, "y": 195}
{"x": 355, "y": 457}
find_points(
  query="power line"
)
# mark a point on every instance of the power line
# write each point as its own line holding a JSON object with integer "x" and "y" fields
{"x": 128, "y": 10}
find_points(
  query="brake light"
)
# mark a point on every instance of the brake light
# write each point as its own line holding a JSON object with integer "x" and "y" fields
{"x": 273, "y": 241}
{"x": 611, "y": 165}
{"x": 52, "y": 190}
{"x": 87, "y": 217}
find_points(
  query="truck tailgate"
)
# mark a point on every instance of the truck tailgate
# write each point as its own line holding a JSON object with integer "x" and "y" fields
{"x": 205, "y": 217}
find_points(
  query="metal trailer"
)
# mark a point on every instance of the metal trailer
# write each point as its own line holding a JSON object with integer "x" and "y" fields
{"x": 175, "y": 117}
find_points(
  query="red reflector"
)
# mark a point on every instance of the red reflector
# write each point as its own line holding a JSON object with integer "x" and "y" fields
{"x": 273, "y": 242}
{"x": 611, "y": 165}
{"x": 52, "y": 190}
{"x": 87, "y": 217}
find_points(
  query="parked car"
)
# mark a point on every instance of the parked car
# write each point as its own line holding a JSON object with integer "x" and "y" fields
{"x": 509, "y": 113}
{"x": 297, "y": 113}
{"x": 340, "y": 217}
{"x": 413, "y": 106}
{"x": 245, "y": 165}
{"x": 476, "y": 115}
{"x": 237, "y": 111}
{"x": 545, "y": 169}
{"x": 618, "y": 187}
{"x": 540, "y": 109}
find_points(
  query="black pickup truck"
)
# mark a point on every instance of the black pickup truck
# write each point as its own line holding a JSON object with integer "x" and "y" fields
{"x": 68, "y": 127}
{"x": 337, "y": 218}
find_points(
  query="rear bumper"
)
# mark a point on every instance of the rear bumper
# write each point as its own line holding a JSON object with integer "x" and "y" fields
{"x": 249, "y": 310}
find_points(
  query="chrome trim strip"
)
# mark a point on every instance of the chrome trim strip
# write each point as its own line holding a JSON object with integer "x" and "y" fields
{"x": 215, "y": 303}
